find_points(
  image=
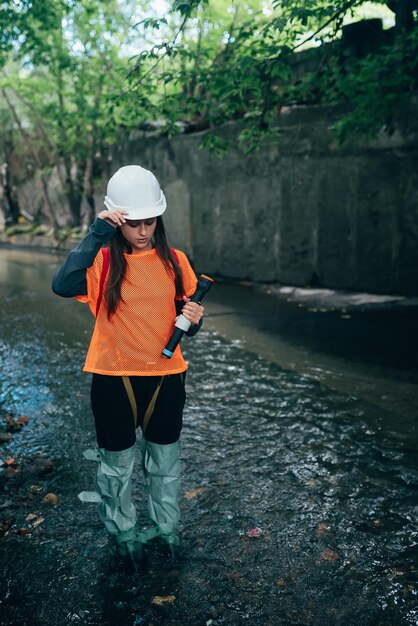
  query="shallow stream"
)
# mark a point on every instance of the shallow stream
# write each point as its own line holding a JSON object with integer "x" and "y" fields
{"x": 295, "y": 509}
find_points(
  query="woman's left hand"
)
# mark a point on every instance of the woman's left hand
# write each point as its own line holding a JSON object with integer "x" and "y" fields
{"x": 192, "y": 311}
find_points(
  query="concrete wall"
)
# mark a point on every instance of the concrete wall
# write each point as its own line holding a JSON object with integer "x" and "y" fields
{"x": 303, "y": 211}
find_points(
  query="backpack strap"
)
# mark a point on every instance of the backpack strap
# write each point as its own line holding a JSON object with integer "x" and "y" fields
{"x": 105, "y": 269}
{"x": 175, "y": 255}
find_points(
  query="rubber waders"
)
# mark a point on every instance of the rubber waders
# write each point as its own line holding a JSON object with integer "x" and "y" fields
{"x": 161, "y": 466}
{"x": 114, "y": 494}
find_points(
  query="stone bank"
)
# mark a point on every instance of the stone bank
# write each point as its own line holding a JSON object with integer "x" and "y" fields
{"x": 302, "y": 211}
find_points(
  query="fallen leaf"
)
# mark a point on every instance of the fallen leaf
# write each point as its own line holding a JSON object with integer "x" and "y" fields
{"x": 12, "y": 424}
{"x": 30, "y": 517}
{"x": 23, "y": 419}
{"x": 322, "y": 529}
{"x": 194, "y": 492}
{"x": 281, "y": 582}
{"x": 312, "y": 482}
{"x": 10, "y": 461}
{"x": 254, "y": 532}
{"x": 395, "y": 571}
{"x": 329, "y": 555}
{"x": 24, "y": 532}
{"x": 50, "y": 498}
{"x": 161, "y": 600}
{"x": 236, "y": 576}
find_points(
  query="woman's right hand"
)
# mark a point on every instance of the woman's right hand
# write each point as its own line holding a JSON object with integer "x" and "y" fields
{"x": 114, "y": 218}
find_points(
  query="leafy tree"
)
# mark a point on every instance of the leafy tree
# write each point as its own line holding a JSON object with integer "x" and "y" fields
{"x": 74, "y": 76}
{"x": 69, "y": 65}
{"x": 236, "y": 60}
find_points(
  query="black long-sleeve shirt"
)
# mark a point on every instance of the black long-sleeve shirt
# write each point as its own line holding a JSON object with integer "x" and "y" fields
{"x": 70, "y": 280}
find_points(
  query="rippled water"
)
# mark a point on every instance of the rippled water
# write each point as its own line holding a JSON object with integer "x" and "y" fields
{"x": 295, "y": 511}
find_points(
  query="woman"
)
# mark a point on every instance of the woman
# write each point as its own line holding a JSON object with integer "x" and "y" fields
{"x": 135, "y": 290}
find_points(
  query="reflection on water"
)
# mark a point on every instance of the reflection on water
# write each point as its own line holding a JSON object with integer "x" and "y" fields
{"x": 295, "y": 510}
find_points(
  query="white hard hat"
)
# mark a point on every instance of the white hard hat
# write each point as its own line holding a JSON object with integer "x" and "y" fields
{"x": 136, "y": 190}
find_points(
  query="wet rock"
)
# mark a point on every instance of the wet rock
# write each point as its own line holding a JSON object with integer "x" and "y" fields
{"x": 12, "y": 425}
{"x": 43, "y": 466}
{"x": 34, "y": 520}
{"x": 6, "y": 505}
{"x": 6, "y": 524}
{"x": 35, "y": 489}
{"x": 50, "y": 498}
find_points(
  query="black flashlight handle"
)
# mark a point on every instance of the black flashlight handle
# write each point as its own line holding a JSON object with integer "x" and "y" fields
{"x": 204, "y": 283}
{"x": 173, "y": 342}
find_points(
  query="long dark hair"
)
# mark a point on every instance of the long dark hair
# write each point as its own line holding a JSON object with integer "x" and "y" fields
{"x": 119, "y": 245}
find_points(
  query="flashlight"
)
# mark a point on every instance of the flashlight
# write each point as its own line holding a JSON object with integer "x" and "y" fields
{"x": 182, "y": 325}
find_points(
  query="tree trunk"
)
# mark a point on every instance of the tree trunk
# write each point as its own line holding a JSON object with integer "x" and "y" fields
{"x": 11, "y": 213}
{"x": 26, "y": 138}
{"x": 404, "y": 12}
{"x": 89, "y": 189}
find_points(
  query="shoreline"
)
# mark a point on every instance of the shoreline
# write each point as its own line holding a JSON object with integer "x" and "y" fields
{"x": 316, "y": 299}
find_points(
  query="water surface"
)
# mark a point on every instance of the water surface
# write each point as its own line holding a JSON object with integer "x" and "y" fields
{"x": 295, "y": 508}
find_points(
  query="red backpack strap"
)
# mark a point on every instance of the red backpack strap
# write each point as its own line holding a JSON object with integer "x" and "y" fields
{"x": 177, "y": 298}
{"x": 175, "y": 255}
{"x": 105, "y": 268}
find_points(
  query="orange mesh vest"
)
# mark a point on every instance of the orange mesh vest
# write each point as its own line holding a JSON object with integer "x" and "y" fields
{"x": 131, "y": 342}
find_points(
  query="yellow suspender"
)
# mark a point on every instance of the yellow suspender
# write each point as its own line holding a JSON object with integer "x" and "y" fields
{"x": 130, "y": 392}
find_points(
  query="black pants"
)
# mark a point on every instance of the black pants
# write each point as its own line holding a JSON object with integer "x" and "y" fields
{"x": 114, "y": 420}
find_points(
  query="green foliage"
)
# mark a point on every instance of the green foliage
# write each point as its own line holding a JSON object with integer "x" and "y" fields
{"x": 215, "y": 143}
{"x": 237, "y": 61}
{"x": 379, "y": 90}
{"x": 19, "y": 229}
{"x": 41, "y": 230}
{"x": 376, "y": 91}
{"x": 63, "y": 69}
{"x": 187, "y": 7}
{"x": 77, "y": 76}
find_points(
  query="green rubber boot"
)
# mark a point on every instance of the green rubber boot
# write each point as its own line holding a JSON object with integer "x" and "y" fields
{"x": 114, "y": 494}
{"x": 130, "y": 549}
{"x": 161, "y": 466}
{"x": 114, "y": 484}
